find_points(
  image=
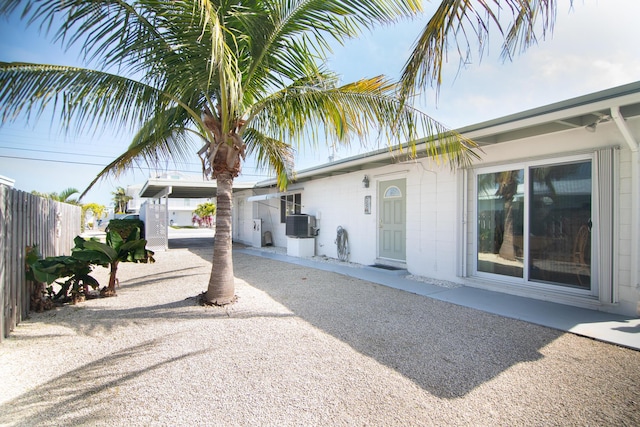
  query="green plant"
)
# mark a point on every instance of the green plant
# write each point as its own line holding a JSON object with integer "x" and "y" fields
{"x": 75, "y": 268}
{"x": 120, "y": 199}
{"x": 97, "y": 210}
{"x": 39, "y": 301}
{"x": 64, "y": 196}
{"x": 112, "y": 253}
{"x": 49, "y": 270}
{"x": 205, "y": 209}
{"x": 124, "y": 227}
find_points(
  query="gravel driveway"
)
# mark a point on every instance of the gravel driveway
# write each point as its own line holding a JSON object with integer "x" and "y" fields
{"x": 301, "y": 347}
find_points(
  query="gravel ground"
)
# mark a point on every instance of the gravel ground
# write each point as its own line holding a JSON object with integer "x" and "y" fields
{"x": 300, "y": 347}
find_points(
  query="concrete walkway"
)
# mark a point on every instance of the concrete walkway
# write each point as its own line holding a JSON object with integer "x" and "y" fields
{"x": 611, "y": 328}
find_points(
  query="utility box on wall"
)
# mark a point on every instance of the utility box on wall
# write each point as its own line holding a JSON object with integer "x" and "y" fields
{"x": 256, "y": 233}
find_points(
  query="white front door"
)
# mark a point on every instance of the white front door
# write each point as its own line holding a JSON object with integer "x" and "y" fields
{"x": 392, "y": 226}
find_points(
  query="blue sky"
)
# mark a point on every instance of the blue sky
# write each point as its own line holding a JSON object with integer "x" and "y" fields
{"x": 594, "y": 47}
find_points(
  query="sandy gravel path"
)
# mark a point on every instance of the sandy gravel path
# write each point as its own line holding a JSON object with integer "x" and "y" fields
{"x": 301, "y": 347}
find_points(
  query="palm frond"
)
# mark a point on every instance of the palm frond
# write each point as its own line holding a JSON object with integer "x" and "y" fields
{"x": 358, "y": 110}
{"x": 272, "y": 154}
{"x": 67, "y": 193}
{"x": 79, "y": 96}
{"x": 165, "y": 136}
{"x": 460, "y": 22}
{"x": 114, "y": 33}
{"x": 274, "y": 44}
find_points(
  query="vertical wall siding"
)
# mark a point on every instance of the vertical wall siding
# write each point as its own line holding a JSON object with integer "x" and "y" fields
{"x": 28, "y": 220}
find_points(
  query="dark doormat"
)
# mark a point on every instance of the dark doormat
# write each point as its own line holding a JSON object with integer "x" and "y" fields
{"x": 386, "y": 267}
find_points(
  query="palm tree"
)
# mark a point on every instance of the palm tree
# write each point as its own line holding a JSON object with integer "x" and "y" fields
{"x": 120, "y": 199}
{"x": 242, "y": 77}
{"x": 64, "y": 196}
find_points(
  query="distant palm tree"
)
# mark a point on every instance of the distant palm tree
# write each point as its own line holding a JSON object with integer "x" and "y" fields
{"x": 120, "y": 199}
{"x": 64, "y": 196}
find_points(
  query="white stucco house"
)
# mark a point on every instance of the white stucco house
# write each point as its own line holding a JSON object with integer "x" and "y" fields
{"x": 551, "y": 211}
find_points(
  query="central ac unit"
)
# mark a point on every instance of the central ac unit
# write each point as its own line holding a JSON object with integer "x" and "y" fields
{"x": 300, "y": 226}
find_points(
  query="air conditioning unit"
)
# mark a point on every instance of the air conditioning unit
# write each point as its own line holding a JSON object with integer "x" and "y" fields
{"x": 301, "y": 226}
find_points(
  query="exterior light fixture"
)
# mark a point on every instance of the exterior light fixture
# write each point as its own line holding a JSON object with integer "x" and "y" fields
{"x": 365, "y": 181}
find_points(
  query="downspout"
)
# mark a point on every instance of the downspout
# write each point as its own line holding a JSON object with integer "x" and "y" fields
{"x": 635, "y": 192}
{"x": 463, "y": 228}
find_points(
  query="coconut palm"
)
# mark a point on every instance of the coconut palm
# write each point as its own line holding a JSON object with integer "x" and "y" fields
{"x": 239, "y": 77}
{"x": 64, "y": 196}
{"x": 120, "y": 199}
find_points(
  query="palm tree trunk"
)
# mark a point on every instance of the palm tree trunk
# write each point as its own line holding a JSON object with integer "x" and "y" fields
{"x": 221, "y": 288}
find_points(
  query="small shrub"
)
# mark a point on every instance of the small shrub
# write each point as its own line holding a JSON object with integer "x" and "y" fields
{"x": 124, "y": 227}
{"x": 74, "y": 271}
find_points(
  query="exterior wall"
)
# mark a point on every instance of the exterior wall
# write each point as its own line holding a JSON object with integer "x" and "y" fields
{"x": 629, "y": 221}
{"x": 440, "y": 214}
{"x": 269, "y": 211}
{"x": 339, "y": 201}
{"x": 431, "y": 205}
{"x": 431, "y": 221}
{"x": 244, "y": 212}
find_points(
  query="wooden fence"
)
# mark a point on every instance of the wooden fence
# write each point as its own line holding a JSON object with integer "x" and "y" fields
{"x": 28, "y": 220}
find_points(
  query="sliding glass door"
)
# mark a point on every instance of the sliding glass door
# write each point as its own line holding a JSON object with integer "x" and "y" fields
{"x": 534, "y": 222}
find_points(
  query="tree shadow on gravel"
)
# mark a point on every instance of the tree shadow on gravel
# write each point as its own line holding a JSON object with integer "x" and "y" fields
{"x": 95, "y": 321}
{"x": 446, "y": 349}
{"x": 87, "y": 395}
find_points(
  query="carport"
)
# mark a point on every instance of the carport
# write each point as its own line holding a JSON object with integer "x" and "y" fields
{"x": 155, "y": 212}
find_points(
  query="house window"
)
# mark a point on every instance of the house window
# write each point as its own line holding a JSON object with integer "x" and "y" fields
{"x": 534, "y": 222}
{"x": 291, "y": 204}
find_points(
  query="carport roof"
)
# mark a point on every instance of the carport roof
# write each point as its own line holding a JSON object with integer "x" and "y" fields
{"x": 185, "y": 189}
